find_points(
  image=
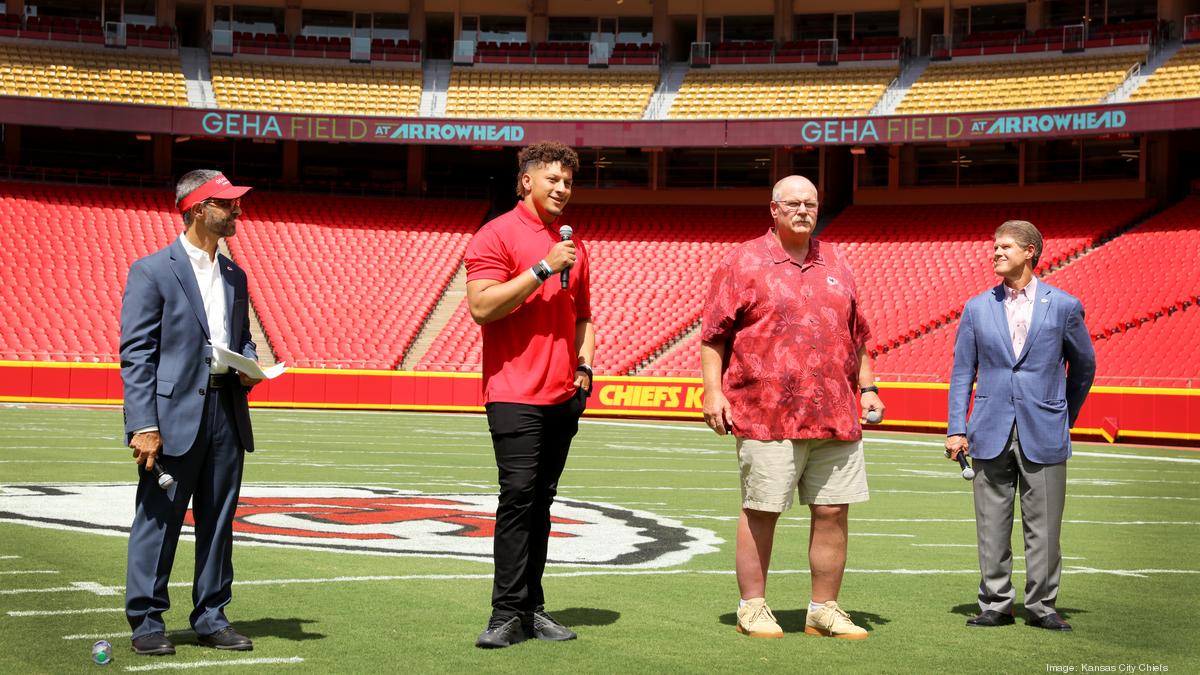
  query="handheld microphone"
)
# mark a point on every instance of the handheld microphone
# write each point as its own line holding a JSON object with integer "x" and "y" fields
{"x": 967, "y": 472}
{"x": 165, "y": 480}
{"x": 565, "y": 232}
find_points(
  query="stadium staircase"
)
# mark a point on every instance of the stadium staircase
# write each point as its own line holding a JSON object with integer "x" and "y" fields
{"x": 453, "y": 295}
{"x": 666, "y": 91}
{"x": 1174, "y": 75}
{"x": 899, "y": 87}
{"x": 1169, "y": 51}
{"x": 198, "y": 77}
{"x": 678, "y": 359}
{"x": 433, "y": 93}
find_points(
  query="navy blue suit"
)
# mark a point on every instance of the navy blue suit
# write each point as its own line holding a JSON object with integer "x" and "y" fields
{"x": 1019, "y": 434}
{"x": 165, "y": 364}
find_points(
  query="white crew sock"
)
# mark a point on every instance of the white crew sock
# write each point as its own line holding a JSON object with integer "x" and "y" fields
{"x": 814, "y": 606}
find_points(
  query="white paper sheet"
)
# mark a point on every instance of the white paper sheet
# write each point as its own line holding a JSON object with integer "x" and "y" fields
{"x": 246, "y": 366}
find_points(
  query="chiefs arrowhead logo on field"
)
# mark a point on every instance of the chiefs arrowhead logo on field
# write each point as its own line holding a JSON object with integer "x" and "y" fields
{"x": 379, "y": 521}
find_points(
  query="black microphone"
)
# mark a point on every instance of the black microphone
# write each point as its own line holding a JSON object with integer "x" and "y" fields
{"x": 165, "y": 480}
{"x": 967, "y": 472}
{"x": 565, "y": 232}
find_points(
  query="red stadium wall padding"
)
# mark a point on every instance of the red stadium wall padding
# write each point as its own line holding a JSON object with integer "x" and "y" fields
{"x": 1114, "y": 413}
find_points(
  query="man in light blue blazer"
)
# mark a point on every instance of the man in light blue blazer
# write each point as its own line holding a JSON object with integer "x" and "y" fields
{"x": 186, "y": 412}
{"x": 1024, "y": 344}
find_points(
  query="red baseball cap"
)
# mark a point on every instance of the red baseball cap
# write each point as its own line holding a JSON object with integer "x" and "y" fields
{"x": 218, "y": 187}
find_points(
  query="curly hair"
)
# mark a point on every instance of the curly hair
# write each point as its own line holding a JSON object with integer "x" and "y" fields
{"x": 543, "y": 154}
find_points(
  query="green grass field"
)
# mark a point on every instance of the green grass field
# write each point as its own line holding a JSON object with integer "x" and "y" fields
{"x": 646, "y": 579}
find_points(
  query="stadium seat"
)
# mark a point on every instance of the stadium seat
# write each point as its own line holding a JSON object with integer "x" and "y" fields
{"x": 1016, "y": 83}
{"x": 718, "y": 94}
{"x": 290, "y": 87}
{"x": 525, "y": 94}
{"x": 91, "y": 75}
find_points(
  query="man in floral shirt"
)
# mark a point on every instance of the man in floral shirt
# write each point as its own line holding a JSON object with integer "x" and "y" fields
{"x": 786, "y": 371}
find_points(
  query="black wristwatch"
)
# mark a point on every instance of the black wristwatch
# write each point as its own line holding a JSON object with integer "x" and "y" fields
{"x": 863, "y": 390}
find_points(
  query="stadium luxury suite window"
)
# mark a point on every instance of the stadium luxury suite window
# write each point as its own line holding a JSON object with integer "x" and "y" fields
{"x": 872, "y": 166}
{"x": 876, "y": 24}
{"x": 572, "y": 28}
{"x": 625, "y": 29}
{"x": 505, "y": 29}
{"x": 66, "y": 8}
{"x": 989, "y": 18}
{"x": 264, "y": 20}
{"x": 744, "y": 29}
{"x": 389, "y": 26}
{"x": 718, "y": 168}
{"x": 813, "y": 26}
{"x": 977, "y": 164}
{"x": 327, "y": 22}
{"x": 139, "y": 12}
{"x": 613, "y": 167}
{"x": 1078, "y": 160}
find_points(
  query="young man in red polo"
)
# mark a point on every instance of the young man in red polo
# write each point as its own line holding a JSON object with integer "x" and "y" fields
{"x": 538, "y": 344}
{"x": 783, "y": 354}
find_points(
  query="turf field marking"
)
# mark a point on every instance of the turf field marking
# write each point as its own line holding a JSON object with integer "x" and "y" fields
{"x": 1072, "y": 569}
{"x": 946, "y": 545}
{"x": 9, "y": 557}
{"x": 90, "y": 586}
{"x": 125, "y": 634}
{"x": 98, "y": 589}
{"x": 169, "y": 665}
{"x": 15, "y": 572}
{"x": 66, "y": 612}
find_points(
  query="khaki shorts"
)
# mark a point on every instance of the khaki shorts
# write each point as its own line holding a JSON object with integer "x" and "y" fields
{"x": 824, "y": 471}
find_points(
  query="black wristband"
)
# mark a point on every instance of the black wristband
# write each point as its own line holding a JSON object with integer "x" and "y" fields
{"x": 583, "y": 367}
{"x": 863, "y": 390}
{"x": 541, "y": 270}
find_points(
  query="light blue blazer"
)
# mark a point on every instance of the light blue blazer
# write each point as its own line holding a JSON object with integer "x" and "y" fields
{"x": 165, "y": 351}
{"x": 1042, "y": 388}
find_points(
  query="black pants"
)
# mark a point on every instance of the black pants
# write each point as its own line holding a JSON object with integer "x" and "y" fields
{"x": 531, "y": 444}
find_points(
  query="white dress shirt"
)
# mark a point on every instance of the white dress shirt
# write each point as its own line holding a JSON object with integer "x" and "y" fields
{"x": 1018, "y": 307}
{"x": 212, "y": 293}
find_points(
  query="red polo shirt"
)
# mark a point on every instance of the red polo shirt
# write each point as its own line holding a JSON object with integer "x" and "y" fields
{"x": 792, "y": 334}
{"x": 529, "y": 356}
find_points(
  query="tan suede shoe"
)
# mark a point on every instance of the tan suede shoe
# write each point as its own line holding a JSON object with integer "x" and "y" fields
{"x": 831, "y": 621}
{"x": 756, "y": 620}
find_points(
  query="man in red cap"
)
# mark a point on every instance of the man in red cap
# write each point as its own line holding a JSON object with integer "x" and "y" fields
{"x": 186, "y": 413}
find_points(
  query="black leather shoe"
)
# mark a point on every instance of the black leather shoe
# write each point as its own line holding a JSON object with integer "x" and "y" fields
{"x": 153, "y": 644}
{"x": 229, "y": 639}
{"x": 1051, "y": 621}
{"x": 501, "y": 632}
{"x": 990, "y": 618}
{"x": 546, "y": 627}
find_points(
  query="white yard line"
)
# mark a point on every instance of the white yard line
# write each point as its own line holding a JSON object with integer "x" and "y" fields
{"x": 175, "y": 665}
{"x": 66, "y": 612}
{"x": 1072, "y": 569}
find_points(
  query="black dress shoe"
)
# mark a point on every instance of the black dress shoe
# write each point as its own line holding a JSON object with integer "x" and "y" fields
{"x": 990, "y": 618}
{"x": 501, "y": 632}
{"x": 546, "y": 627}
{"x": 153, "y": 644}
{"x": 1051, "y": 621}
{"x": 229, "y": 639}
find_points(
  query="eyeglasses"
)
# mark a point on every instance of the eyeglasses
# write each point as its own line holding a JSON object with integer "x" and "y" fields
{"x": 227, "y": 204}
{"x": 792, "y": 207}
